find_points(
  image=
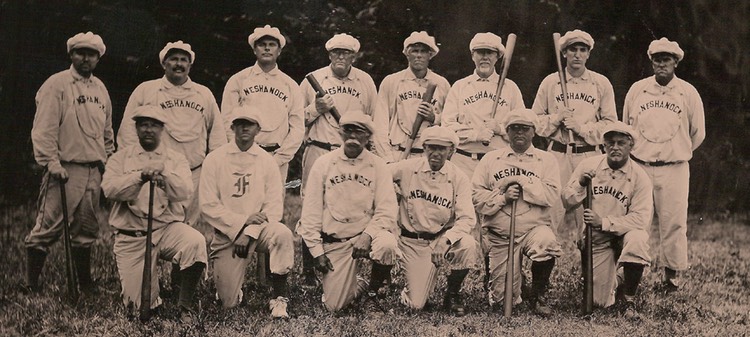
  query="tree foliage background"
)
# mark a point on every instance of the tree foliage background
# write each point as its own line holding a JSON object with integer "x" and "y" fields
{"x": 714, "y": 35}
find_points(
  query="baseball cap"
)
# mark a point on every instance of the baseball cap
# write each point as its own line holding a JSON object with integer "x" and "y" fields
{"x": 521, "y": 116}
{"x": 439, "y": 135}
{"x": 248, "y": 113}
{"x": 574, "y": 36}
{"x": 177, "y": 45}
{"x": 487, "y": 41}
{"x": 359, "y": 119}
{"x": 149, "y": 111}
{"x": 266, "y": 30}
{"x": 663, "y": 45}
{"x": 619, "y": 127}
{"x": 421, "y": 37}
{"x": 87, "y": 40}
{"x": 343, "y": 41}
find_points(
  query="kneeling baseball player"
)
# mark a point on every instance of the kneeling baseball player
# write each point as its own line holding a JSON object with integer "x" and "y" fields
{"x": 436, "y": 216}
{"x": 125, "y": 182}
{"x": 621, "y": 213}
{"x": 241, "y": 196}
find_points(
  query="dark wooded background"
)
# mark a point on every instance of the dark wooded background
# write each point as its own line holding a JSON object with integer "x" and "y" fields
{"x": 714, "y": 35}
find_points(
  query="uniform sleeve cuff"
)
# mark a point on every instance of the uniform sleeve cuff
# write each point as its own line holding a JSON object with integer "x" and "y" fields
{"x": 606, "y": 225}
{"x": 317, "y": 250}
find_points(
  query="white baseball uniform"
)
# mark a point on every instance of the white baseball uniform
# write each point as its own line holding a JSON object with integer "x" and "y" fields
{"x": 344, "y": 198}
{"x": 234, "y": 185}
{"x": 437, "y": 205}
{"x": 468, "y": 110}
{"x": 592, "y": 97}
{"x": 193, "y": 125}
{"x": 280, "y": 100}
{"x": 401, "y": 93}
{"x": 537, "y": 173}
{"x": 73, "y": 129}
{"x": 172, "y": 239}
{"x": 670, "y": 124}
{"x": 354, "y": 92}
{"x": 623, "y": 199}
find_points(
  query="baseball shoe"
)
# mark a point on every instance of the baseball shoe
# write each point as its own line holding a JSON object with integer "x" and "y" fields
{"x": 454, "y": 303}
{"x": 187, "y": 316}
{"x": 539, "y": 306}
{"x": 278, "y": 307}
{"x": 670, "y": 285}
{"x": 627, "y": 308}
{"x": 27, "y": 289}
{"x": 310, "y": 280}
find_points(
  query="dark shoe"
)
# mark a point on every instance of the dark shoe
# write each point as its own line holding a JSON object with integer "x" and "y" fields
{"x": 82, "y": 258}
{"x": 34, "y": 264}
{"x": 373, "y": 296}
{"x": 454, "y": 303}
{"x": 670, "y": 285}
{"x": 310, "y": 280}
{"x": 539, "y": 306}
{"x": 187, "y": 316}
{"x": 627, "y": 308}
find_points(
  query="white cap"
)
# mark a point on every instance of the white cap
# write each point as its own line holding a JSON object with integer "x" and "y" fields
{"x": 620, "y": 127}
{"x": 421, "y": 37}
{"x": 574, "y": 36}
{"x": 487, "y": 41}
{"x": 521, "y": 116}
{"x": 266, "y": 30}
{"x": 358, "y": 118}
{"x": 149, "y": 111}
{"x": 439, "y": 135}
{"x": 87, "y": 40}
{"x": 343, "y": 41}
{"x": 177, "y": 45}
{"x": 665, "y": 46}
{"x": 248, "y": 113}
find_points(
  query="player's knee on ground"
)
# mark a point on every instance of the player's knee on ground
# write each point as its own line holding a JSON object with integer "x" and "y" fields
{"x": 635, "y": 248}
{"x": 280, "y": 247}
{"x": 385, "y": 248}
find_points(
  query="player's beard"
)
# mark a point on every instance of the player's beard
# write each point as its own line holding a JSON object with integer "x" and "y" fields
{"x": 352, "y": 148}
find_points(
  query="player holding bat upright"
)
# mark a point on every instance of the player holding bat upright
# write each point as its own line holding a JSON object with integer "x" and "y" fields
{"x": 620, "y": 216}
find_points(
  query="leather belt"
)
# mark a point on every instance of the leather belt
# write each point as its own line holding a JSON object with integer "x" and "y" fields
{"x": 325, "y": 146}
{"x": 134, "y": 233}
{"x": 327, "y": 238}
{"x": 560, "y": 147}
{"x": 422, "y": 236}
{"x": 653, "y": 163}
{"x": 413, "y": 150}
{"x": 270, "y": 148}
{"x": 477, "y": 156}
{"x": 89, "y": 163}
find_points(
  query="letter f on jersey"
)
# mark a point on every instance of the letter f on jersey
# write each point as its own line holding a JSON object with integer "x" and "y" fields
{"x": 241, "y": 184}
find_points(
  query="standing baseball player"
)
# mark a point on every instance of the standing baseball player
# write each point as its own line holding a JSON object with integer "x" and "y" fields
{"x": 436, "y": 216}
{"x": 621, "y": 213}
{"x": 72, "y": 137}
{"x": 126, "y": 182}
{"x": 193, "y": 125}
{"x": 348, "y": 89}
{"x": 242, "y": 198}
{"x": 529, "y": 176}
{"x": 468, "y": 107}
{"x": 591, "y": 102}
{"x": 402, "y": 93}
{"x": 667, "y": 114}
{"x": 267, "y": 88}
{"x": 349, "y": 212}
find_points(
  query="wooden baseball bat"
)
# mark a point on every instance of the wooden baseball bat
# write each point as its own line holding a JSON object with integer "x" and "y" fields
{"x": 70, "y": 271}
{"x": 426, "y": 97}
{"x": 320, "y": 92}
{"x": 510, "y": 46}
{"x": 145, "y": 310}
{"x": 509, "y": 267}
{"x": 588, "y": 265}
{"x": 563, "y": 85}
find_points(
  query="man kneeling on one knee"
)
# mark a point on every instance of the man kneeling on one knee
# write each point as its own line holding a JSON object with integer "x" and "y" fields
{"x": 349, "y": 212}
{"x": 241, "y": 196}
{"x": 436, "y": 216}
{"x": 125, "y": 182}
{"x": 621, "y": 213}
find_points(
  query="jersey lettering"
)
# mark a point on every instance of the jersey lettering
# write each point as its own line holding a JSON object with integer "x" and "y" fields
{"x": 241, "y": 184}
{"x": 180, "y": 103}
{"x": 260, "y": 88}
{"x": 435, "y": 199}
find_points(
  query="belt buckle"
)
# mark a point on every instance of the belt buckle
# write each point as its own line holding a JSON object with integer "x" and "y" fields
{"x": 335, "y": 146}
{"x": 138, "y": 234}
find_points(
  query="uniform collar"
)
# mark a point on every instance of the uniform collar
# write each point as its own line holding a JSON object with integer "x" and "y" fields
{"x": 528, "y": 153}
{"x": 584, "y": 77}
{"x": 410, "y": 76}
{"x": 352, "y": 76}
{"x": 158, "y": 151}
{"x": 625, "y": 169}
{"x": 493, "y": 78}
{"x": 256, "y": 70}
{"x": 341, "y": 155}
{"x": 424, "y": 166}
{"x": 669, "y": 85}
{"x": 253, "y": 150}
{"x": 168, "y": 85}
{"x": 78, "y": 77}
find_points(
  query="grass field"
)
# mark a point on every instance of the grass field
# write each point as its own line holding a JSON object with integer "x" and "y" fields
{"x": 715, "y": 300}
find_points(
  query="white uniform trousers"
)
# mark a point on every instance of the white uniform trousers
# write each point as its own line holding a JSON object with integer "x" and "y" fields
{"x": 610, "y": 251}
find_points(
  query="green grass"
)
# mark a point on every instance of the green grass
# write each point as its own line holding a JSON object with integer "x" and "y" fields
{"x": 715, "y": 300}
